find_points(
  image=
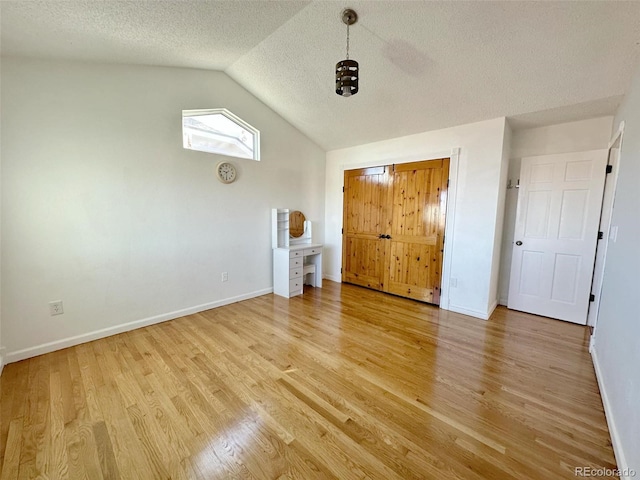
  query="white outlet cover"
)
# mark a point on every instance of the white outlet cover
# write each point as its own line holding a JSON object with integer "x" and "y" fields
{"x": 56, "y": 308}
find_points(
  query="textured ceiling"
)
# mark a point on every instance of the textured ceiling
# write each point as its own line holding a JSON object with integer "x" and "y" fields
{"x": 424, "y": 65}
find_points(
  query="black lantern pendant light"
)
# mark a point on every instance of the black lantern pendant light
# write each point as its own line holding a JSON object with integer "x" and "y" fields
{"x": 347, "y": 70}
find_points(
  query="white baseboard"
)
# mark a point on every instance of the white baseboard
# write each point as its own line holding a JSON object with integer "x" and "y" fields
{"x": 125, "y": 327}
{"x": 621, "y": 460}
{"x": 472, "y": 313}
{"x": 503, "y": 301}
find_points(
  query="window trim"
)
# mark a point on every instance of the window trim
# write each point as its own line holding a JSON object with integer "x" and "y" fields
{"x": 234, "y": 118}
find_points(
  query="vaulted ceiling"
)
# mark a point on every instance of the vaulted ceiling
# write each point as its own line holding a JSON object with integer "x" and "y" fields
{"x": 424, "y": 65}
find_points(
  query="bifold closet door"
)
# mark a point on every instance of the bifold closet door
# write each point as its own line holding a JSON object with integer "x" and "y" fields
{"x": 393, "y": 235}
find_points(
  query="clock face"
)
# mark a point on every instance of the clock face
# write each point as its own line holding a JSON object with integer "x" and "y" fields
{"x": 226, "y": 172}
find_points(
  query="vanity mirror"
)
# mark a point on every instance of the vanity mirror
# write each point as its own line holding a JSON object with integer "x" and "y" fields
{"x": 296, "y": 223}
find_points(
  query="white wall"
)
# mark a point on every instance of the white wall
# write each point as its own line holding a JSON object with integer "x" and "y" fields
{"x": 579, "y": 136}
{"x": 583, "y": 135}
{"x": 2, "y": 349}
{"x": 103, "y": 209}
{"x": 477, "y": 213}
{"x": 617, "y": 336}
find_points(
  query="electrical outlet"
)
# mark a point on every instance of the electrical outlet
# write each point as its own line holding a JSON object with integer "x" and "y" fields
{"x": 225, "y": 277}
{"x": 55, "y": 308}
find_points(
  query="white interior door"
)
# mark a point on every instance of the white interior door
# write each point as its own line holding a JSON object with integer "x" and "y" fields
{"x": 556, "y": 233}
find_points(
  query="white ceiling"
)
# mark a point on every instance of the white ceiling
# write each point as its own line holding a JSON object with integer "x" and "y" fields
{"x": 424, "y": 65}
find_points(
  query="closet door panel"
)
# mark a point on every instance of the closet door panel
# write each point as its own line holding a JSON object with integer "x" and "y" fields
{"x": 366, "y": 219}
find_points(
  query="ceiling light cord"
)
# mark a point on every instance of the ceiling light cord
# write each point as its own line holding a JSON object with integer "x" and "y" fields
{"x": 347, "y": 41}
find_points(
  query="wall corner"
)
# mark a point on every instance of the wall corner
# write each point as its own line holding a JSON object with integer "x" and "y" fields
{"x": 2, "y": 350}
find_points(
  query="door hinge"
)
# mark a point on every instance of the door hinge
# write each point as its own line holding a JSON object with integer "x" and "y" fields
{"x": 342, "y": 230}
{"x": 340, "y": 270}
{"x": 592, "y": 298}
{"x": 447, "y": 183}
{"x": 609, "y": 168}
{"x": 342, "y": 189}
{"x": 600, "y": 235}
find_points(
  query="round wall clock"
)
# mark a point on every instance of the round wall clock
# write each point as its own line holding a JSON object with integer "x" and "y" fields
{"x": 226, "y": 172}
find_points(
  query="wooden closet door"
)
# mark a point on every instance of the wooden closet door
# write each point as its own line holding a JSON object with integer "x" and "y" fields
{"x": 367, "y": 216}
{"x": 417, "y": 230}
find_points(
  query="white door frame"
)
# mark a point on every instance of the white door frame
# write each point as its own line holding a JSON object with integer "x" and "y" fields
{"x": 605, "y": 215}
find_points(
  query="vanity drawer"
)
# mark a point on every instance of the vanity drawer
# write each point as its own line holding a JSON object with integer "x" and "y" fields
{"x": 295, "y": 284}
{"x": 312, "y": 251}
{"x": 295, "y": 262}
{"x": 295, "y": 272}
{"x": 296, "y": 253}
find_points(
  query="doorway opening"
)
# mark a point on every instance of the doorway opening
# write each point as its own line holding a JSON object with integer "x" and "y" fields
{"x": 605, "y": 230}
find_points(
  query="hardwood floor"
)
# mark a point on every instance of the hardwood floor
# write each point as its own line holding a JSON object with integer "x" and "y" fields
{"x": 342, "y": 382}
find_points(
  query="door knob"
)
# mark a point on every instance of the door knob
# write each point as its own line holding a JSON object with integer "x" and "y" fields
{"x": 518, "y": 243}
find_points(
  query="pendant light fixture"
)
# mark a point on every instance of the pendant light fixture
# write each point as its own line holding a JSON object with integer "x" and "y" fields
{"x": 347, "y": 70}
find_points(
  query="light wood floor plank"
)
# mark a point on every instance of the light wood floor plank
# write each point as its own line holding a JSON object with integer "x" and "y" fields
{"x": 339, "y": 383}
{"x": 58, "y": 461}
{"x": 11, "y": 465}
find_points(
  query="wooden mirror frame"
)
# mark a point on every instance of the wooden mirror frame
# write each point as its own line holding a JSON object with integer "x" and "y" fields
{"x": 296, "y": 224}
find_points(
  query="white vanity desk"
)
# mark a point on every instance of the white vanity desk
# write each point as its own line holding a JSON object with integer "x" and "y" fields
{"x": 296, "y": 261}
{"x": 289, "y": 265}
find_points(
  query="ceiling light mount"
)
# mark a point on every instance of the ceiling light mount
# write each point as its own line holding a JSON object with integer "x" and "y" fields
{"x": 347, "y": 70}
{"x": 349, "y": 17}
